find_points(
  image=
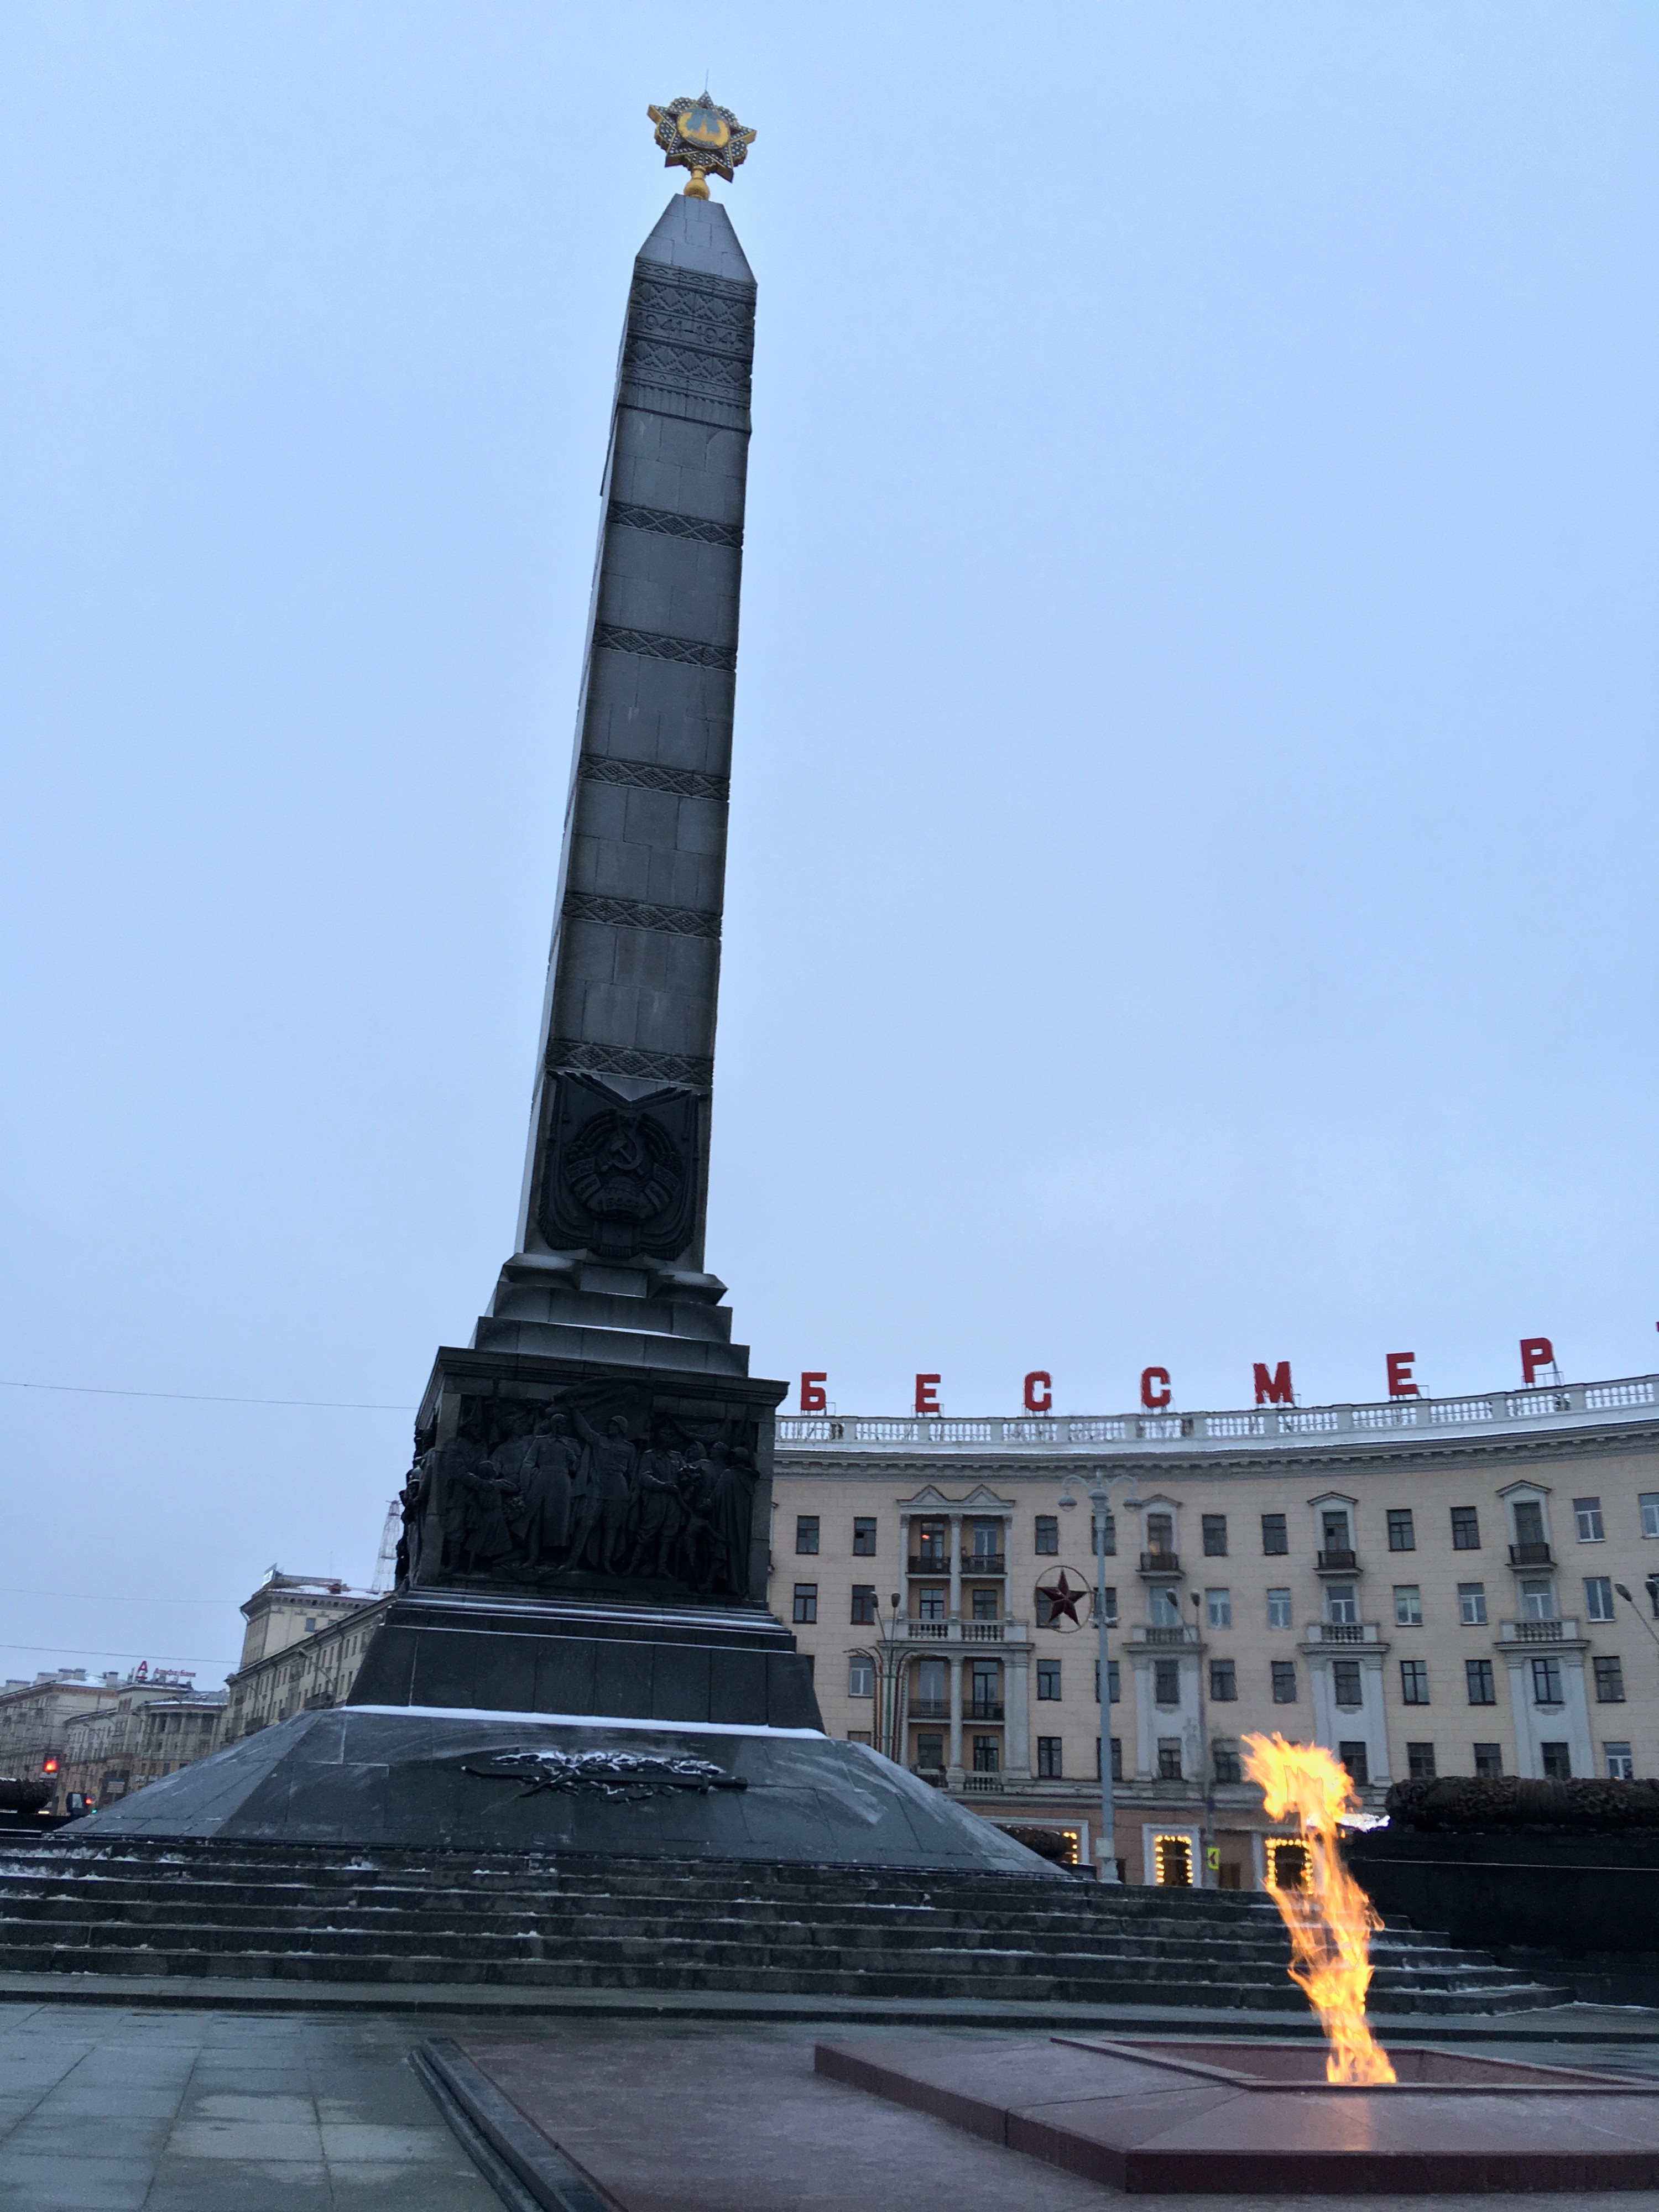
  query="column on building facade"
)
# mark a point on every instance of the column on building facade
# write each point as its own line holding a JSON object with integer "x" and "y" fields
{"x": 956, "y": 1567}
{"x": 954, "y": 1776}
{"x": 1016, "y": 1725}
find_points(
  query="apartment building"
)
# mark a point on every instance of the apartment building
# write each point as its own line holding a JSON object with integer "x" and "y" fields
{"x": 304, "y": 1642}
{"x": 150, "y": 1730}
{"x": 1426, "y": 1586}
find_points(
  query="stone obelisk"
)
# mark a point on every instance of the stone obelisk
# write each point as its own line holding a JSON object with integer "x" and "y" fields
{"x": 578, "y": 1656}
{"x": 588, "y": 1521}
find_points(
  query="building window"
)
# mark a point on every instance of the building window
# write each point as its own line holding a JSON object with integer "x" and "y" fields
{"x": 1274, "y": 1538}
{"x": 933, "y": 1538}
{"x": 1489, "y": 1762}
{"x": 1558, "y": 1761}
{"x": 1538, "y": 1599}
{"x": 1408, "y": 1605}
{"x": 1414, "y": 1681}
{"x": 1547, "y": 1681}
{"x": 1345, "y": 1684}
{"x": 1225, "y": 1756}
{"x": 1223, "y": 1681}
{"x": 1466, "y": 1528}
{"x": 1047, "y": 1532}
{"x": 1051, "y": 1764}
{"x": 1598, "y": 1597}
{"x": 1402, "y": 1530}
{"x": 1621, "y": 1767}
{"x": 1048, "y": 1681}
{"x": 1342, "y": 1603}
{"x": 1472, "y": 1604}
{"x": 1420, "y": 1761}
{"x": 1114, "y": 1682}
{"x": 987, "y": 1755}
{"x": 930, "y": 1750}
{"x": 1529, "y": 1522}
{"x": 1284, "y": 1681}
{"x": 930, "y": 1605}
{"x": 858, "y": 1735}
{"x": 1218, "y": 1607}
{"x": 864, "y": 1539}
{"x": 1357, "y": 1760}
{"x": 1163, "y": 1607}
{"x": 1478, "y": 1675}
{"x": 1609, "y": 1682}
{"x": 1166, "y": 1681}
{"x": 860, "y": 1675}
{"x": 1110, "y": 1546}
{"x": 1169, "y": 1758}
{"x": 864, "y": 1605}
{"x": 1214, "y": 1526}
{"x": 806, "y": 1532}
{"x": 985, "y": 1605}
{"x": 1586, "y": 1515}
{"x": 1278, "y": 1610}
{"x": 1649, "y": 1501}
{"x": 806, "y": 1601}
{"x": 1117, "y": 1759}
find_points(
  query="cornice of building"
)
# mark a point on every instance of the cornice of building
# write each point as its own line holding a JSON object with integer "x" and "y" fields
{"x": 1501, "y": 1427}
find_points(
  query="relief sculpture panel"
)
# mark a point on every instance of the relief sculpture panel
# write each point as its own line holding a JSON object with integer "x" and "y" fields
{"x": 582, "y": 1489}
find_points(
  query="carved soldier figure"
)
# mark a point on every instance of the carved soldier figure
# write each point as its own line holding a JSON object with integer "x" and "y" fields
{"x": 736, "y": 1475}
{"x": 613, "y": 1461}
{"x": 547, "y": 1485}
{"x": 660, "y": 1515}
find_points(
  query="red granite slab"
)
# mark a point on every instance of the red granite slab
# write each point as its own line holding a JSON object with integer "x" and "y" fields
{"x": 1152, "y": 2118}
{"x": 733, "y": 2123}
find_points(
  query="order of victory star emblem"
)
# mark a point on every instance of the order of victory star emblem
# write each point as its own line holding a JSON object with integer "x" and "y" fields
{"x": 1064, "y": 1601}
{"x": 696, "y": 135}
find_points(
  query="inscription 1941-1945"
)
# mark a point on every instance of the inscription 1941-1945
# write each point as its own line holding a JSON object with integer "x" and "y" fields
{"x": 566, "y": 1491}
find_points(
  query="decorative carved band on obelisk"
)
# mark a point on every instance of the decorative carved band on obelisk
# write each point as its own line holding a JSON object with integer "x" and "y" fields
{"x": 619, "y": 1143}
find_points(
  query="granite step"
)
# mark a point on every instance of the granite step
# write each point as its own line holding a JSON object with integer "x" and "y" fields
{"x": 214, "y": 1912}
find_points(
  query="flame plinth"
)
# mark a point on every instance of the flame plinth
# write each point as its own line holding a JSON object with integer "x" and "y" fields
{"x": 1331, "y": 1919}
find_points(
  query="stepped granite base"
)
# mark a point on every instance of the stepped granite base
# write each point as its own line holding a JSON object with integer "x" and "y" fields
{"x": 423, "y": 1777}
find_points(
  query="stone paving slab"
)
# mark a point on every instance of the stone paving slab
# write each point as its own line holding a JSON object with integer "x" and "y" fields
{"x": 165, "y": 2108}
{"x": 743, "y": 2123}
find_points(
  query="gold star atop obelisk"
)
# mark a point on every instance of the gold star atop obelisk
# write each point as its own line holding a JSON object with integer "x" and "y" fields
{"x": 696, "y": 135}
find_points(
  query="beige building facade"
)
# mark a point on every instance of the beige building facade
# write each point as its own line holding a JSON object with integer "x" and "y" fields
{"x": 149, "y": 1731}
{"x": 1428, "y": 1587}
{"x": 34, "y": 1717}
{"x": 304, "y": 1642}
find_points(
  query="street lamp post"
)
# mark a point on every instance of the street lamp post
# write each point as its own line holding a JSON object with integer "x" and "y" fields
{"x": 1099, "y": 1492}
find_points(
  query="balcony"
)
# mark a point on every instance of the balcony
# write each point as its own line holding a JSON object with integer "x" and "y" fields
{"x": 1160, "y": 1563}
{"x": 1165, "y": 1639}
{"x": 1344, "y": 1632}
{"x": 929, "y": 1708}
{"x": 1539, "y": 1631}
{"x": 983, "y": 1709}
{"x": 959, "y": 1631}
{"x": 1530, "y": 1555}
{"x": 984, "y": 1563}
{"x": 1337, "y": 1562}
{"x": 929, "y": 1563}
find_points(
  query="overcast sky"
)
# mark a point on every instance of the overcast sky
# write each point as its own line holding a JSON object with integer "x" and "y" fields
{"x": 1191, "y": 887}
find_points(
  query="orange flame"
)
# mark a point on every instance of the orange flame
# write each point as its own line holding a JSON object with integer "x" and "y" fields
{"x": 1332, "y": 1919}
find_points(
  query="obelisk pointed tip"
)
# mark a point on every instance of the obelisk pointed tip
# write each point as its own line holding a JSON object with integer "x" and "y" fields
{"x": 698, "y": 235}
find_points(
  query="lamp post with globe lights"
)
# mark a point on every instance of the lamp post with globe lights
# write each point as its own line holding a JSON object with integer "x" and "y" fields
{"x": 1098, "y": 1489}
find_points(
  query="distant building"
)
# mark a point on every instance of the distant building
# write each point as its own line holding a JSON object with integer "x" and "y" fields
{"x": 149, "y": 1731}
{"x": 305, "y": 1640}
{"x": 34, "y": 1715}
